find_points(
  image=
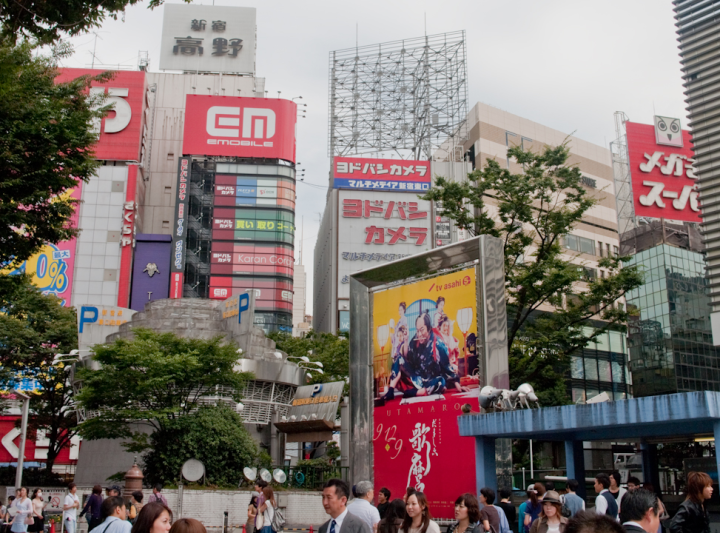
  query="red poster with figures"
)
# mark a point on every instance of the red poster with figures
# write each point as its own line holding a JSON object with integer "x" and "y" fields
{"x": 662, "y": 171}
{"x": 425, "y": 368}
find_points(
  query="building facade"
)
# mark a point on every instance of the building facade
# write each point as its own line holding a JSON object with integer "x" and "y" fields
{"x": 602, "y": 366}
{"x": 671, "y": 341}
{"x": 698, "y": 30}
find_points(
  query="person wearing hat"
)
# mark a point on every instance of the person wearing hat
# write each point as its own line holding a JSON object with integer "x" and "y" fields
{"x": 551, "y": 519}
{"x": 112, "y": 490}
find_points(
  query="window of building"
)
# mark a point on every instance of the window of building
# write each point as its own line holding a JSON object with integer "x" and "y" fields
{"x": 577, "y": 370}
{"x": 580, "y": 244}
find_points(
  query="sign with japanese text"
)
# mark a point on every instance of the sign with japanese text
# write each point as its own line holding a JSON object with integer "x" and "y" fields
{"x": 96, "y": 322}
{"x": 663, "y": 175}
{"x": 234, "y": 126}
{"x": 177, "y": 263}
{"x": 35, "y": 449}
{"x": 425, "y": 367}
{"x": 386, "y": 174}
{"x": 127, "y": 240}
{"x": 250, "y": 191}
{"x": 379, "y": 226}
{"x": 120, "y": 132}
{"x": 205, "y": 38}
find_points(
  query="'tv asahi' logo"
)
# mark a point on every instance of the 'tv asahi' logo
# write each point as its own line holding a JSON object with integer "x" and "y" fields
{"x": 257, "y": 123}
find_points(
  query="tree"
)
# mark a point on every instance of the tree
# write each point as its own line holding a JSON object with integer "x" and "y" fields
{"x": 554, "y": 307}
{"x": 152, "y": 380}
{"x": 333, "y": 351}
{"x": 34, "y": 327}
{"x": 47, "y": 20}
{"x": 214, "y": 435}
{"x": 45, "y": 148}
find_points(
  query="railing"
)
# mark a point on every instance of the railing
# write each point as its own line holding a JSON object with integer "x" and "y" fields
{"x": 306, "y": 477}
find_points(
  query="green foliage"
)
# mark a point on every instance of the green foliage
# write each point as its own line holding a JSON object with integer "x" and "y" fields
{"x": 333, "y": 351}
{"x": 34, "y": 327}
{"x": 32, "y": 477}
{"x": 214, "y": 435}
{"x": 333, "y": 450}
{"x": 47, "y": 20}
{"x": 45, "y": 148}
{"x": 550, "y": 305}
{"x": 153, "y": 379}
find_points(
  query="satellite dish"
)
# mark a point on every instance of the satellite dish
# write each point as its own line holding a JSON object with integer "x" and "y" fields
{"x": 193, "y": 470}
{"x": 279, "y": 475}
{"x": 265, "y": 475}
{"x": 250, "y": 473}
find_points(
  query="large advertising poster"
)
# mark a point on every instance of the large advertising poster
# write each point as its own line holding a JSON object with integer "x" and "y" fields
{"x": 53, "y": 267}
{"x": 425, "y": 367}
{"x": 387, "y": 174}
{"x": 240, "y": 127}
{"x": 662, "y": 171}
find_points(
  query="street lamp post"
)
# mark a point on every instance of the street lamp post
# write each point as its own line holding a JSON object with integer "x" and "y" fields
{"x": 23, "y": 437}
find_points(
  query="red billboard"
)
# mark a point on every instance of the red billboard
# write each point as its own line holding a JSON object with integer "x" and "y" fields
{"x": 663, "y": 176}
{"x": 397, "y": 175}
{"x": 35, "y": 449}
{"x": 236, "y": 126}
{"x": 121, "y": 130}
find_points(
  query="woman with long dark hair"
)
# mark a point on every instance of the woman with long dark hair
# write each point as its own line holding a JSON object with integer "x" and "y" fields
{"x": 92, "y": 508}
{"x": 188, "y": 525}
{"x": 692, "y": 516}
{"x": 154, "y": 517}
{"x": 394, "y": 516}
{"x": 467, "y": 514}
{"x": 417, "y": 516}
{"x": 252, "y": 513}
{"x": 267, "y": 509}
{"x": 551, "y": 519}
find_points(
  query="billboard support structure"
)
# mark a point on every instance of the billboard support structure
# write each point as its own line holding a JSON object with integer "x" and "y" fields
{"x": 621, "y": 172}
{"x": 484, "y": 255}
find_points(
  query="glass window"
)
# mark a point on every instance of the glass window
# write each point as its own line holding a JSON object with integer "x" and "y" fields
{"x": 587, "y": 245}
{"x": 602, "y": 342}
{"x": 591, "y": 372}
{"x": 616, "y": 341}
{"x": 578, "y": 396}
{"x": 604, "y": 371}
{"x": 576, "y": 367}
{"x": 571, "y": 242}
{"x": 617, "y": 373}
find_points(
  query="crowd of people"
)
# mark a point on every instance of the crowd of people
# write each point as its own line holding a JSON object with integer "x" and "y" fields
{"x": 635, "y": 509}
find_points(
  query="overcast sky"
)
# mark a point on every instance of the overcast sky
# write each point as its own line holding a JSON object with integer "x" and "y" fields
{"x": 568, "y": 64}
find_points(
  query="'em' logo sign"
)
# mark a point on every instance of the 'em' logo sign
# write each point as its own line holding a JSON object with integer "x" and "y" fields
{"x": 236, "y": 126}
{"x": 257, "y": 123}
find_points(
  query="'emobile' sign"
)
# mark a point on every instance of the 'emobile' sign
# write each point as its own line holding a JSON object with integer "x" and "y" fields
{"x": 240, "y": 127}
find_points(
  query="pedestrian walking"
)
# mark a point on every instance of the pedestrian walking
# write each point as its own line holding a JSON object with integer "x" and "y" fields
{"x": 23, "y": 516}
{"x": 467, "y": 514}
{"x": 114, "y": 516}
{"x": 188, "y": 525}
{"x": 692, "y": 516}
{"x": 506, "y": 505}
{"x": 591, "y": 522}
{"x": 616, "y": 490}
{"x": 260, "y": 484}
{"x": 136, "y": 505}
{"x": 604, "y": 501}
{"x": 408, "y": 492}
{"x": 252, "y": 513}
{"x": 383, "y": 501}
{"x": 489, "y": 514}
{"x": 9, "y": 514}
{"x": 70, "y": 508}
{"x": 640, "y": 512}
{"x": 93, "y": 508}
{"x": 153, "y": 518}
{"x": 267, "y": 509}
{"x": 573, "y": 502}
{"x": 362, "y": 506}
{"x": 157, "y": 495}
{"x": 533, "y": 507}
{"x": 418, "y": 518}
{"x": 112, "y": 490}
{"x": 335, "y": 496}
{"x": 38, "y": 514}
{"x": 394, "y": 516}
{"x": 551, "y": 519}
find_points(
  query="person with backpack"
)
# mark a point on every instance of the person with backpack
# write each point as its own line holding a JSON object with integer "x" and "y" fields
{"x": 273, "y": 519}
{"x": 573, "y": 503}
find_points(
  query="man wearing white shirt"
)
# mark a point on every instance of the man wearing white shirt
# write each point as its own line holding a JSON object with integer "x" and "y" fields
{"x": 116, "y": 522}
{"x": 70, "y": 507}
{"x": 604, "y": 502}
{"x": 362, "y": 506}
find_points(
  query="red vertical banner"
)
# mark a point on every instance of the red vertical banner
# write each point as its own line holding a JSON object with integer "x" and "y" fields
{"x": 127, "y": 238}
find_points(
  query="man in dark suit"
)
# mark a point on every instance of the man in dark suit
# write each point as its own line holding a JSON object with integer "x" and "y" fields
{"x": 335, "y": 496}
{"x": 640, "y": 512}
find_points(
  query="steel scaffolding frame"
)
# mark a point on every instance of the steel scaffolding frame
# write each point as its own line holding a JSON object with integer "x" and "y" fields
{"x": 621, "y": 172}
{"x": 404, "y": 98}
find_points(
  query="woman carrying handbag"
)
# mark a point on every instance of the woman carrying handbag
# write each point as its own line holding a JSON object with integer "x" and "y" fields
{"x": 23, "y": 517}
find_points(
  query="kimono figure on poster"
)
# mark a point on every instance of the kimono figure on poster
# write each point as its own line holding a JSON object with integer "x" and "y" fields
{"x": 439, "y": 311}
{"x": 445, "y": 329}
{"x": 402, "y": 321}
